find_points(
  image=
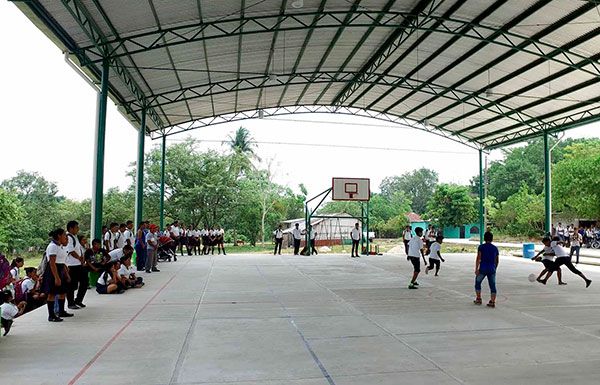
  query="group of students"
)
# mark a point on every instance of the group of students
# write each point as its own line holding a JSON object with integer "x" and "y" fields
{"x": 63, "y": 276}
{"x": 553, "y": 256}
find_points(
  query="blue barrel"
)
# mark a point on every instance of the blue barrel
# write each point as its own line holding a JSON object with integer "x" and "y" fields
{"x": 528, "y": 250}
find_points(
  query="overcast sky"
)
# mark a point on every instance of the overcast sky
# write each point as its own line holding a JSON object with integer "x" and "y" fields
{"x": 48, "y": 121}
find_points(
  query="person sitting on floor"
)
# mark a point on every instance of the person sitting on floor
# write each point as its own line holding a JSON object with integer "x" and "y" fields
{"x": 127, "y": 274}
{"x": 108, "y": 280}
{"x": 9, "y": 310}
{"x": 117, "y": 254}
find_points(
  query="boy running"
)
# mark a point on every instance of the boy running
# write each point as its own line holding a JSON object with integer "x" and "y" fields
{"x": 435, "y": 256}
{"x": 550, "y": 266}
{"x": 485, "y": 266}
{"x": 563, "y": 258}
{"x": 415, "y": 252}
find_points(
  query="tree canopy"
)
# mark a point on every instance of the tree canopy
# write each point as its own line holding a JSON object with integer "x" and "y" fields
{"x": 417, "y": 185}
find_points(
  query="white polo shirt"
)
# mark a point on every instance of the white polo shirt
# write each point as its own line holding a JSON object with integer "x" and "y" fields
{"x": 121, "y": 239}
{"x": 278, "y": 234}
{"x": 73, "y": 245}
{"x": 128, "y": 235}
{"x": 59, "y": 251}
{"x": 433, "y": 250}
{"x": 116, "y": 254}
{"x": 9, "y": 311}
{"x": 175, "y": 230}
{"x": 105, "y": 279}
{"x": 548, "y": 253}
{"x": 559, "y": 250}
{"x": 125, "y": 271}
{"x": 110, "y": 237}
{"x": 27, "y": 285}
{"x": 355, "y": 234}
{"x": 414, "y": 247}
{"x": 297, "y": 233}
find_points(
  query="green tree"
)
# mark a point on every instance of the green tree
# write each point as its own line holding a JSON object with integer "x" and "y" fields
{"x": 576, "y": 182}
{"x": 243, "y": 143}
{"x": 417, "y": 185}
{"x": 521, "y": 214}
{"x": 451, "y": 205}
{"x": 11, "y": 218}
{"x": 40, "y": 201}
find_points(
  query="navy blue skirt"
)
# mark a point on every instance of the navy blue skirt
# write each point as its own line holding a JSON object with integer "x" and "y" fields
{"x": 48, "y": 283}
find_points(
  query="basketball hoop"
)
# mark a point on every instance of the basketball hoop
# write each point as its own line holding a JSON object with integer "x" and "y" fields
{"x": 350, "y": 189}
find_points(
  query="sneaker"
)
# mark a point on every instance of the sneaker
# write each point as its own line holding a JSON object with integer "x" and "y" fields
{"x": 55, "y": 319}
{"x": 588, "y": 283}
{"x": 412, "y": 286}
{"x": 80, "y": 304}
{"x": 65, "y": 315}
{"x": 148, "y": 271}
{"x": 120, "y": 291}
{"x": 416, "y": 283}
{"x": 73, "y": 307}
{"x": 155, "y": 269}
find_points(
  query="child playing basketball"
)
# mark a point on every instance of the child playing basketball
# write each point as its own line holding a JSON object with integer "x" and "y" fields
{"x": 434, "y": 255}
{"x": 550, "y": 265}
{"x": 415, "y": 252}
{"x": 485, "y": 267}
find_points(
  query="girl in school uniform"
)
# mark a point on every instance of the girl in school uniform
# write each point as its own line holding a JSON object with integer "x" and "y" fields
{"x": 107, "y": 282}
{"x": 9, "y": 310}
{"x": 56, "y": 275}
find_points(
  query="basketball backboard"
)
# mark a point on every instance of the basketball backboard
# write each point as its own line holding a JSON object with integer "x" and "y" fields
{"x": 350, "y": 189}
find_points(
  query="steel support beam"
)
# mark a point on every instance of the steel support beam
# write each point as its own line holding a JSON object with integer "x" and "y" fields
{"x": 139, "y": 179}
{"x": 481, "y": 199}
{"x": 398, "y": 36}
{"x": 99, "y": 143}
{"x": 291, "y": 110}
{"x": 163, "y": 158}
{"x": 101, "y": 46}
{"x": 547, "y": 186}
{"x": 328, "y": 20}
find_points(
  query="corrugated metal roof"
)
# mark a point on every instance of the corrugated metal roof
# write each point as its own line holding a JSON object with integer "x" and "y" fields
{"x": 486, "y": 73}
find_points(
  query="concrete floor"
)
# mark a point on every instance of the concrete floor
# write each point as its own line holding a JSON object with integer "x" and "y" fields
{"x": 254, "y": 319}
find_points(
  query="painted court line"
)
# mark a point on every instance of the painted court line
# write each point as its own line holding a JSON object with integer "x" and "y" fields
{"x": 118, "y": 333}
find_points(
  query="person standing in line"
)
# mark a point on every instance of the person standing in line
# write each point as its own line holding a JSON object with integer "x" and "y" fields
{"x": 406, "y": 237}
{"x": 561, "y": 232}
{"x": 183, "y": 238}
{"x": 75, "y": 265}
{"x": 175, "y": 235}
{"x": 129, "y": 237}
{"x": 415, "y": 253}
{"x": 486, "y": 265}
{"x": 140, "y": 247}
{"x": 151, "y": 246}
{"x": 121, "y": 241}
{"x": 110, "y": 237}
{"x": 204, "y": 235}
{"x": 220, "y": 239}
{"x": 278, "y": 234}
{"x": 313, "y": 237}
{"x": 297, "y": 234}
{"x": 355, "y": 237}
{"x": 56, "y": 275}
{"x": 576, "y": 241}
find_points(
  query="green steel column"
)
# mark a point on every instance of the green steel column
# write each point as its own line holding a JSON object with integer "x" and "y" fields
{"x": 162, "y": 182}
{"x": 547, "y": 186}
{"x": 367, "y": 215}
{"x": 139, "y": 180}
{"x": 98, "y": 177}
{"x": 481, "y": 198}
{"x": 307, "y": 218}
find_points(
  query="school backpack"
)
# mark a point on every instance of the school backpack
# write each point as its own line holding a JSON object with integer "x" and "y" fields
{"x": 42, "y": 266}
{"x": 5, "y": 276}
{"x": 19, "y": 295}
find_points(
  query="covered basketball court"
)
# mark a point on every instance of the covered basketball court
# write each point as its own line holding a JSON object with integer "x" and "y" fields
{"x": 483, "y": 73}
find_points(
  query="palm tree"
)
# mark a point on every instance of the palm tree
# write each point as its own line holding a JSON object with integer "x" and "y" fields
{"x": 243, "y": 143}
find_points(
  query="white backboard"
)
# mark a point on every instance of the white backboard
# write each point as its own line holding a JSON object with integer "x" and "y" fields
{"x": 351, "y": 189}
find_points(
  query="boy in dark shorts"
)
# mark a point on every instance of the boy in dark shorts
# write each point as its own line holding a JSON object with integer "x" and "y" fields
{"x": 415, "y": 253}
{"x": 546, "y": 256}
{"x": 435, "y": 257}
{"x": 485, "y": 267}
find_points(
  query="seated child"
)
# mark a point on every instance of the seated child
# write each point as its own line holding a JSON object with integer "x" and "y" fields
{"x": 9, "y": 310}
{"x": 108, "y": 280}
{"x": 127, "y": 274}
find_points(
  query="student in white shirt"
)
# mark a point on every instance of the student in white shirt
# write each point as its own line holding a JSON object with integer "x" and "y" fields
{"x": 56, "y": 275}
{"x": 415, "y": 252}
{"x": 28, "y": 288}
{"x": 127, "y": 275}
{"x": 355, "y": 236}
{"x": 176, "y": 235}
{"x": 220, "y": 239}
{"x": 435, "y": 256}
{"x": 15, "y": 268}
{"x": 9, "y": 311}
{"x": 110, "y": 238}
{"x": 151, "y": 249}
{"x": 121, "y": 241}
{"x": 406, "y": 237}
{"x": 297, "y": 235}
{"x": 313, "y": 237}
{"x": 546, "y": 256}
{"x": 576, "y": 241}
{"x": 128, "y": 234}
{"x": 278, "y": 234}
{"x": 563, "y": 258}
{"x": 74, "y": 262}
{"x": 107, "y": 281}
